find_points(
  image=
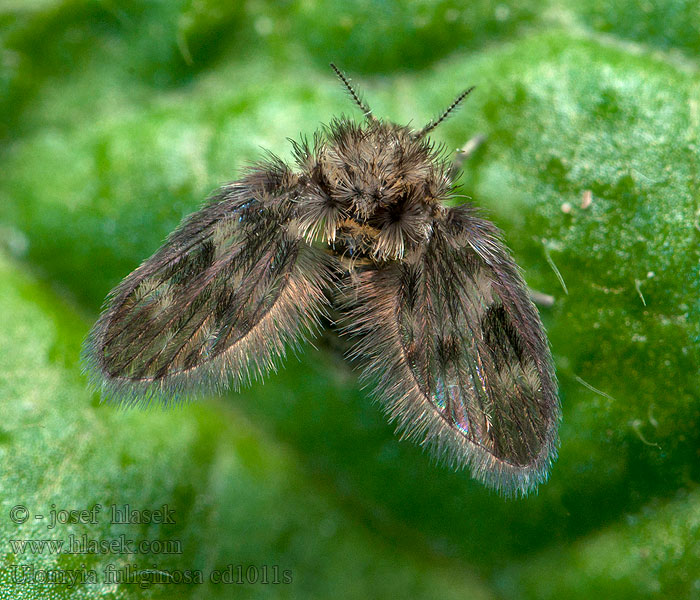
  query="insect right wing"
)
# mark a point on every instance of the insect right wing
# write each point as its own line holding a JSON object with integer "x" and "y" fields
{"x": 217, "y": 303}
{"x": 459, "y": 355}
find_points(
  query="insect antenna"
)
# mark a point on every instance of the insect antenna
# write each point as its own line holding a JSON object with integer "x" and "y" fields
{"x": 433, "y": 124}
{"x": 367, "y": 111}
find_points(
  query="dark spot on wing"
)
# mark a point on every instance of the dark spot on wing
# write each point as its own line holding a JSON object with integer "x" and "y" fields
{"x": 502, "y": 339}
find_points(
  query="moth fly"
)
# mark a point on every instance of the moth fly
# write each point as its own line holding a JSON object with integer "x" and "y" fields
{"x": 440, "y": 316}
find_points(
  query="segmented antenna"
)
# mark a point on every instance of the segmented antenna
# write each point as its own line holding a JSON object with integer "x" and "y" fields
{"x": 433, "y": 124}
{"x": 363, "y": 107}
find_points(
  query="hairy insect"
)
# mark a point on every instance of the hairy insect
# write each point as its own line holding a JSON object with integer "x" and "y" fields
{"x": 442, "y": 321}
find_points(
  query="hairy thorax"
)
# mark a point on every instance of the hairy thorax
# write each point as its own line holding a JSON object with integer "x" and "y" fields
{"x": 372, "y": 191}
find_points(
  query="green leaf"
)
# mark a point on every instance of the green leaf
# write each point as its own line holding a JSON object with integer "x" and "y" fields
{"x": 102, "y": 161}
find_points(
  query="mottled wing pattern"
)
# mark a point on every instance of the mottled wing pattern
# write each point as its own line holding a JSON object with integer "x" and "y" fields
{"x": 459, "y": 354}
{"x": 216, "y": 305}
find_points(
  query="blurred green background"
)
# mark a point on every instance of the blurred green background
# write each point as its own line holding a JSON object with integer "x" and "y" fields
{"x": 119, "y": 117}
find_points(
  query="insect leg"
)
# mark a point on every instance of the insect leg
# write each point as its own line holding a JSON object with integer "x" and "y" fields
{"x": 464, "y": 153}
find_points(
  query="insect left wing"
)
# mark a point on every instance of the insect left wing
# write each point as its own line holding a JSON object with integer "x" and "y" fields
{"x": 216, "y": 304}
{"x": 460, "y": 356}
